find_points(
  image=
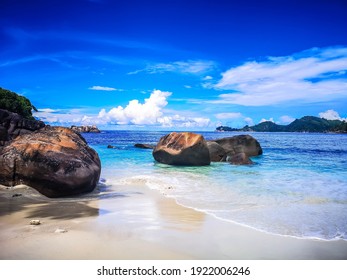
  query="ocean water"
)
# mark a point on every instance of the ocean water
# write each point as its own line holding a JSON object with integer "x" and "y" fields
{"x": 298, "y": 187}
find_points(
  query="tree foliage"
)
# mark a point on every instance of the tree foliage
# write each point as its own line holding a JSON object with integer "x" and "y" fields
{"x": 13, "y": 102}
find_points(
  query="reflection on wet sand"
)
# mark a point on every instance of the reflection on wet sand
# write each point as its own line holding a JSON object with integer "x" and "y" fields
{"x": 178, "y": 217}
{"x": 61, "y": 210}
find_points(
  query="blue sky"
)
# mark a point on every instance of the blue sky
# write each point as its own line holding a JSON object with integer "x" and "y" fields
{"x": 184, "y": 65}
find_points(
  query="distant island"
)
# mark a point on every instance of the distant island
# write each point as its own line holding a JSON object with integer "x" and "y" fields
{"x": 305, "y": 124}
{"x": 85, "y": 128}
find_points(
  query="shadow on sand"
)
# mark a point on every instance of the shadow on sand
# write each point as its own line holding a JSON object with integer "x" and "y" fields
{"x": 38, "y": 206}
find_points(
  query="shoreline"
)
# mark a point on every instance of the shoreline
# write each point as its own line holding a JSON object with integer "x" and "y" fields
{"x": 135, "y": 222}
{"x": 259, "y": 230}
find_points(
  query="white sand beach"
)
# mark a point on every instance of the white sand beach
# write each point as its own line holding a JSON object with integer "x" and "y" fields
{"x": 136, "y": 223}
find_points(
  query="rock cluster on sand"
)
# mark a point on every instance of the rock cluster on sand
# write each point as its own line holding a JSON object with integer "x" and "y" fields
{"x": 85, "y": 129}
{"x": 54, "y": 160}
{"x": 188, "y": 148}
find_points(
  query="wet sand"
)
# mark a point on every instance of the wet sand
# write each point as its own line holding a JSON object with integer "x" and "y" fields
{"x": 134, "y": 222}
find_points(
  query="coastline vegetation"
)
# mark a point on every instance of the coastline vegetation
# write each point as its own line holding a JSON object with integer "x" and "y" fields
{"x": 15, "y": 103}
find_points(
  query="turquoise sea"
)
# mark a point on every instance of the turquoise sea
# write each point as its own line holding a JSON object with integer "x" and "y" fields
{"x": 298, "y": 187}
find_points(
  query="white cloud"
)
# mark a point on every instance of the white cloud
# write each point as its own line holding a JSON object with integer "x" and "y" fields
{"x": 310, "y": 76}
{"x": 103, "y": 88}
{"x": 47, "y": 110}
{"x": 331, "y": 115}
{"x": 64, "y": 117}
{"x": 150, "y": 112}
{"x": 249, "y": 121}
{"x": 236, "y": 118}
{"x": 265, "y": 120}
{"x": 185, "y": 67}
{"x": 181, "y": 121}
{"x": 138, "y": 113}
{"x": 207, "y": 78}
{"x": 286, "y": 119}
{"x": 228, "y": 115}
{"x": 187, "y": 86}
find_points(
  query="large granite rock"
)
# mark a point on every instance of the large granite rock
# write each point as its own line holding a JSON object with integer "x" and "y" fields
{"x": 241, "y": 144}
{"x": 236, "y": 149}
{"x": 54, "y": 160}
{"x": 217, "y": 153}
{"x": 13, "y": 124}
{"x": 184, "y": 148}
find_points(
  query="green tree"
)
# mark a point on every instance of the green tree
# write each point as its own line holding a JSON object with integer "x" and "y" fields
{"x": 13, "y": 102}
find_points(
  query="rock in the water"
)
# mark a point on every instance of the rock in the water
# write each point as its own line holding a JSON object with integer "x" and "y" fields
{"x": 241, "y": 144}
{"x": 54, "y": 160}
{"x": 239, "y": 159}
{"x": 111, "y": 147}
{"x": 217, "y": 153}
{"x": 85, "y": 129}
{"x": 236, "y": 149}
{"x": 183, "y": 148}
{"x": 35, "y": 222}
{"x": 144, "y": 146}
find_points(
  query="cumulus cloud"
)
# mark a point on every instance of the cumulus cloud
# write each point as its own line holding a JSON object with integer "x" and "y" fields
{"x": 310, "y": 76}
{"x": 331, "y": 115}
{"x": 286, "y": 119}
{"x": 138, "y": 113}
{"x": 182, "y": 121}
{"x": 184, "y": 67}
{"x": 150, "y": 112}
{"x": 265, "y": 120}
{"x": 102, "y": 88}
